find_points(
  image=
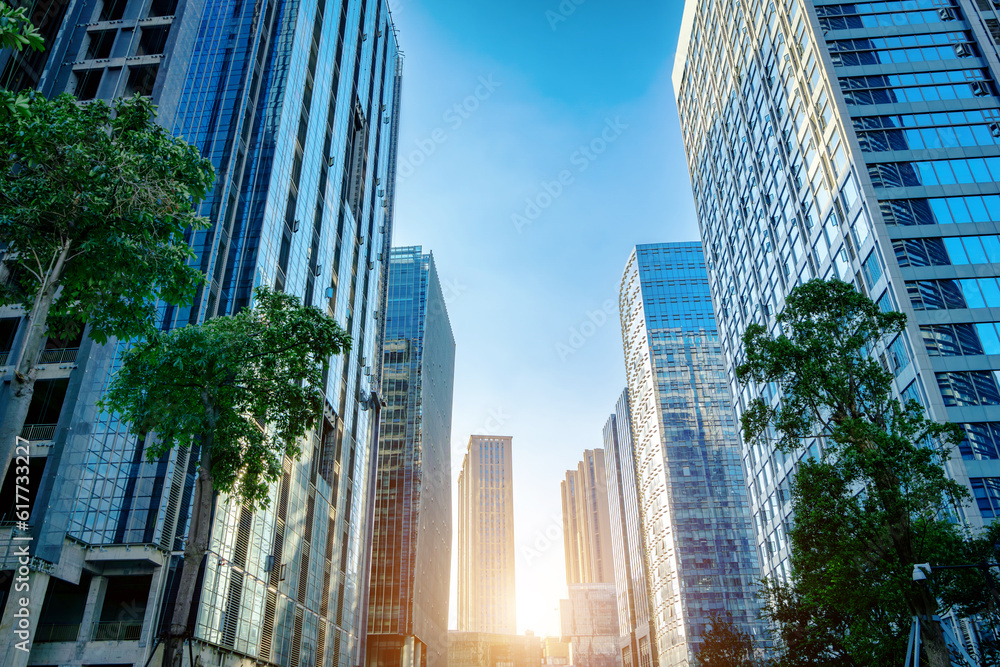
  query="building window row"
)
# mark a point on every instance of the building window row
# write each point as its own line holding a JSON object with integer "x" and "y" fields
{"x": 953, "y": 294}
{"x": 947, "y": 251}
{"x": 969, "y": 388}
{"x": 941, "y": 210}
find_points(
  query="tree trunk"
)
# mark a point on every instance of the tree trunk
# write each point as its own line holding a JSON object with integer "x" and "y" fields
{"x": 199, "y": 534}
{"x": 22, "y": 386}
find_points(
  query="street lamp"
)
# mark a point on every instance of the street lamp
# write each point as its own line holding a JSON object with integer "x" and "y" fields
{"x": 921, "y": 572}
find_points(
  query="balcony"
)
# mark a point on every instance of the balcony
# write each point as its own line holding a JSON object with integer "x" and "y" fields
{"x": 117, "y": 631}
{"x": 38, "y": 432}
{"x": 57, "y": 632}
{"x": 63, "y": 355}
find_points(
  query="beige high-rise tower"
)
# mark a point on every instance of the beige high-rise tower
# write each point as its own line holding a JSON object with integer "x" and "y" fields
{"x": 486, "y": 537}
{"x": 587, "y": 522}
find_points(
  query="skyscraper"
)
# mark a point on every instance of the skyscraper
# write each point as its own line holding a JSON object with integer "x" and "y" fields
{"x": 296, "y": 104}
{"x": 411, "y": 552}
{"x": 635, "y": 644}
{"x": 857, "y": 141}
{"x": 486, "y": 537}
{"x": 692, "y": 497}
{"x": 586, "y": 524}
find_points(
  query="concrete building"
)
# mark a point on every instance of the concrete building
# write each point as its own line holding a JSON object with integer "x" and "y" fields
{"x": 482, "y": 649}
{"x": 692, "y": 496}
{"x": 858, "y": 141}
{"x": 296, "y": 104}
{"x": 635, "y": 644}
{"x": 586, "y": 523}
{"x": 589, "y": 623}
{"x": 486, "y": 537}
{"x": 411, "y": 552}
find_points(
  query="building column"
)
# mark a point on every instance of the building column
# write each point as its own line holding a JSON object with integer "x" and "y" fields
{"x": 15, "y": 638}
{"x": 92, "y": 609}
{"x": 153, "y": 603}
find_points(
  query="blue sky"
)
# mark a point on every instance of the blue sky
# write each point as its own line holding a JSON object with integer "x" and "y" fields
{"x": 539, "y": 144}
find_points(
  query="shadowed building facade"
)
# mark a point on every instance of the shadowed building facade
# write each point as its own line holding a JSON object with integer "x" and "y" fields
{"x": 411, "y": 548}
{"x": 486, "y": 537}
{"x": 692, "y": 497}
{"x": 635, "y": 645}
{"x": 296, "y": 104}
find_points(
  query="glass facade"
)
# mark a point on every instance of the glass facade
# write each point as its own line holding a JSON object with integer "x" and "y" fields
{"x": 411, "y": 549}
{"x": 626, "y": 540}
{"x": 858, "y": 141}
{"x": 589, "y": 622}
{"x": 486, "y": 537}
{"x": 692, "y": 496}
{"x": 296, "y": 103}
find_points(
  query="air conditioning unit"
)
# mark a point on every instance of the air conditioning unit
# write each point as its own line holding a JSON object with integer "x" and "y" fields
{"x": 330, "y": 160}
{"x": 995, "y": 129}
{"x": 979, "y": 88}
{"x": 962, "y": 50}
{"x": 318, "y": 270}
{"x": 946, "y": 14}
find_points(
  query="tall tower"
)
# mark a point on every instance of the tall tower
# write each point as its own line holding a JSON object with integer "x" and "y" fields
{"x": 858, "y": 141}
{"x": 296, "y": 104}
{"x": 586, "y": 523}
{"x": 692, "y": 497}
{"x": 486, "y": 537}
{"x": 411, "y": 553}
{"x": 635, "y": 644}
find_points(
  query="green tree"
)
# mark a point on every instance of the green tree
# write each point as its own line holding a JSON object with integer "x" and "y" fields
{"x": 877, "y": 500}
{"x": 726, "y": 644}
{"x": 213, "y": 387}
{"x": 95, "y": 201}
{"x": 16, "y": 32}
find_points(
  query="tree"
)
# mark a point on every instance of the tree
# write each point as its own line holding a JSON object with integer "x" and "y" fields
{"x": 875, "y": 502}
{"x": 213, "y": 387}
{"x": 16, "y": 32}
{"x": 727, "y": 645}
{"x": 95, "y": 202}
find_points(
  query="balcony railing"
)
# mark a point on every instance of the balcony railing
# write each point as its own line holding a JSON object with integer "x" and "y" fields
{"x": 62, "y": 355}
{"x": 117, "y": 631}
{"x": 37, "y": 432}
{"x": 57, "y": 632}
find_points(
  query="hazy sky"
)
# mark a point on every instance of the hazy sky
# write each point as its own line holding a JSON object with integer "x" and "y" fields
{"x": 539, "y": 144}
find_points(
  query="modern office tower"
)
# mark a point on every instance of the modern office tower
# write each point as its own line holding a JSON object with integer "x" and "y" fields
{"x": 481, "y": 649}
{"x": 296, "y": 104}
{"x": 486, "y": 537}
{"x": 856, "y": 141}
{"x": 411, "y": 552}
{"x": 586, "y": 523}
{"x": 635, "y": 642}
{"x": 692, "y": 497}
{"x": 589, "y": 620}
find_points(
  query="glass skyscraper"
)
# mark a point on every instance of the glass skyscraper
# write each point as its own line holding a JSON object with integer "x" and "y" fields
{"x": 692, "y": 497}
{"x": 411, "y": 552}
{"x": 296, "y": 103}
{"x": 857, "y": 141}
{"x": 635, "y": 643}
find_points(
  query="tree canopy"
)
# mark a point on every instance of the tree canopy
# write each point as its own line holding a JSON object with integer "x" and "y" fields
{"x": 875, "y": 502}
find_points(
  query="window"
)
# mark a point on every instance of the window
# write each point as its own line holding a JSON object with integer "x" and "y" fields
{"x": 982, "y": 441}
{"x": 986, "y": 490}
{"x": 87, "y": 83}
{"x": 152, "y": 40}
{"x": 969, "y": 388}
{"x": 140, "y": 80}
{"x": 99, "y": 44}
